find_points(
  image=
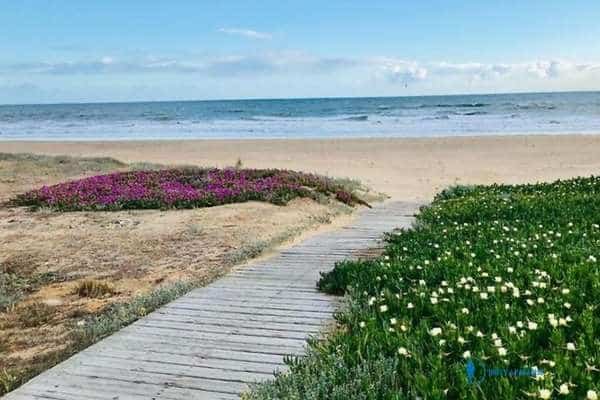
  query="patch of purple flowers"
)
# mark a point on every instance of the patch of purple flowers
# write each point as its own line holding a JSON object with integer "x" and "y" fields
{"x": 183, "y": 188}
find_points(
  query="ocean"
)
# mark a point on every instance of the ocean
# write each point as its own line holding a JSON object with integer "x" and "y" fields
{"x": 424, "y": 116}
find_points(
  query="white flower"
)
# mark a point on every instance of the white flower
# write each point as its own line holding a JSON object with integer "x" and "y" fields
{"x": 372, "y": 301}
{"x": 465, "y": 310}
{"x": 484, "y": 296}
{"x": 434, "y": 300}
{"x": 532, "y": 326}
{"x": 540, "y": 300}
{"x": 491, "y": 289}
{"x": 516, "y": 292}
{"x": 362, "y": 324}
{"x": 403, "y": 352}
{"x": 393, "y": 321}
{"x": 435, "y": 331}
{"x": 562, "y": 322}
{"x": 442, "y": 342}
{"x": 383, "y": 308}
{"x": 591, "y": 395}
{"x": 467, "y": 354}
{"x": 567, "y": 305}
{"x": 563, "y": 389}
{"x": 571, "y": 346}
{"x": 545, "y": 394}
{"x": 565, "y": 291}
{"x": 554, "y": 322}
{"x": 512, "y": 329}
{"x": 410, "y": 305}
{"x": 502, "y": 351}
{"x": 498, "y": 342}
{"x": 479, "y": 334}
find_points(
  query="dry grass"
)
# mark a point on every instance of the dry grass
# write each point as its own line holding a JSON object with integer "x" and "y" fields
{"x": 68, "y": 279}
{"x": 93, "y": 288}
{"x": 34, "y": 314}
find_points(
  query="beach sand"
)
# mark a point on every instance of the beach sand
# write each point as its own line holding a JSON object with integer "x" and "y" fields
{"x": 405, "y": 169}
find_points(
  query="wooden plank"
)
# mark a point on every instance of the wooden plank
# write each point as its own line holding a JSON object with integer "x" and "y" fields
{"x": 168, "y": 348}
{"x": 237, "y": 318}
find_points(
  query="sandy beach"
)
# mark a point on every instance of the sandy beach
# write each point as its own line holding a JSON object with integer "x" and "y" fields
{"x": 405, "y": 169}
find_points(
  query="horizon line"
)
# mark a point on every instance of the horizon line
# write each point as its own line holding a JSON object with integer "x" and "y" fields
{"x": 291, "y": 98}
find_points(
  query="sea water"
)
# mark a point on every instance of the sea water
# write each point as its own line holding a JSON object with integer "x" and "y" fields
{"x": 425, "y": 116}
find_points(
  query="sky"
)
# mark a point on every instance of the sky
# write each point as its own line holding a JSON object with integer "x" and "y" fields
{"x": 114, "y": 50}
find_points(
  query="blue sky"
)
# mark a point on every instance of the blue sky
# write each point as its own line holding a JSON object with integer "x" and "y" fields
{"x": 63, "y": 51}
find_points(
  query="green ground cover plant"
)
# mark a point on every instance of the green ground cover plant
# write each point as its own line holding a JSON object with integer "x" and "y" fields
{"x": 501, "y": 278}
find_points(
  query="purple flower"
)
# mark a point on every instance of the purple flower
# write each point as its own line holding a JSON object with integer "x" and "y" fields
{"x": 182, "y": 188}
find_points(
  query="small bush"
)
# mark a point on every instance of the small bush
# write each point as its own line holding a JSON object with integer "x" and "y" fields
{"x": 8, "y": 381}
{"x": 94, "y": 288}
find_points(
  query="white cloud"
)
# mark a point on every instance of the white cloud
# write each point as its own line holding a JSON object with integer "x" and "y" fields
{"x": 400, "y": 70}
{"x": 248, "y": 33}
{"x": 282, "y": 62}
{"x": 290, "y": 73}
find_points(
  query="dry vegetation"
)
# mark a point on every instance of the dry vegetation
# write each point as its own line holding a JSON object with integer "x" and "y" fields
{"x": 66, "y": 279}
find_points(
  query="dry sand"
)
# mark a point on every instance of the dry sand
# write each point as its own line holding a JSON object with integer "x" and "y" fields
{"x": 406, "y": 169}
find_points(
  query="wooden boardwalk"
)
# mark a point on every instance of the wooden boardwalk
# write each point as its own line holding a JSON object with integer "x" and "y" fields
{"x": 212, "y": 342}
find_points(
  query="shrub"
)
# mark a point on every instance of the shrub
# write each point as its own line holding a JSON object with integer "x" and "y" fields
{"x": 93, "y": 288}
{"x": 502, "y": 276}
